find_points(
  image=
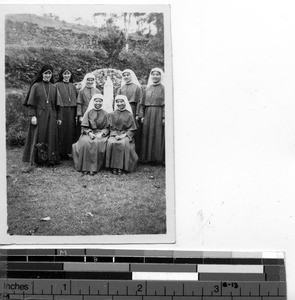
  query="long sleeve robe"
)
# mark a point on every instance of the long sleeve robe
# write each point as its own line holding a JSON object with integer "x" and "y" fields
{"x": 133, "y": 93}
{"x": 152, "y": 109}
{"x": 121, "y": 154}
{"x": 67, "y": 131}
{"x": 42, "y": 141}
{"x": 89, "y": 154}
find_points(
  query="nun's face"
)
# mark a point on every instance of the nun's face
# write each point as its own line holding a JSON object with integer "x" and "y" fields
{"x": 97, "y": 103}
{"x": 156, "y": 76}
{"x": 127, "y": 77}
{"x": 90, "y": 82}
{"x": 47, "y": 75}
{"x": 66, "y": 75}
{"x": 120, "y": 104}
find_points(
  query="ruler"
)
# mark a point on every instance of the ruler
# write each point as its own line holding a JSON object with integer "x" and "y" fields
{"x": 117, "y": 274}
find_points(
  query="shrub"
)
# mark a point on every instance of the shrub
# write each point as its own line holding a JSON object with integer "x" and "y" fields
{"x": 16, "y": 119}
{"x": 16, "y": 135}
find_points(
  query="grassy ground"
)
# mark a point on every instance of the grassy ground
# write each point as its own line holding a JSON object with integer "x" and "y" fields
{"x": 104, "y": 204}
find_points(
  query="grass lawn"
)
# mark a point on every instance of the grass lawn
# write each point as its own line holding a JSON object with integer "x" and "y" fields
{"x": 103, "y": 204}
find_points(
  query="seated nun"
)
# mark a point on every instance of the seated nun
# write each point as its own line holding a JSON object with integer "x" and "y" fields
{"x": 89, "y": 151}
{"x": 120, "y": 152}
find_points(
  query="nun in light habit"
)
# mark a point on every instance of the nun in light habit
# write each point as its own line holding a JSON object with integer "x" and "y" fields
{"x": 152, "y": 114}
{"x": 131, "y": 88}
{"x": 89, "y": 152}
{"x": 120, "y": 152}
{"x": 88, "y": 89}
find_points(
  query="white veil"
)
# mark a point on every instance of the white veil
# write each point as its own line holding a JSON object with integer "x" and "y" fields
{"x": 132, "y": 75}
{"x": 127, "y": 107}
{"x": 88, "y": 75}
{"x": 162, "y": 80}
{"x": 91, "y": 105}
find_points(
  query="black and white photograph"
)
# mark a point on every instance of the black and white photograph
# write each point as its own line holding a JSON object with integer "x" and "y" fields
{"x": 88, "y": 123}
{"x": 209, "y": 169}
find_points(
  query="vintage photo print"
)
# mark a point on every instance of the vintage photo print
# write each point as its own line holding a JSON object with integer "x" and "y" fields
{"x": 87, "y": 135}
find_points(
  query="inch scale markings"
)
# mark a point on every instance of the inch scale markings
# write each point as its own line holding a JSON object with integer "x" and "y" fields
{"x": 236, "y": 290}
{"x": 108, "y": 274}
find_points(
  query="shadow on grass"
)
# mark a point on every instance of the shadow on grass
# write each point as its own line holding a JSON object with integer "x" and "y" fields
{"x": 104, "y": 204}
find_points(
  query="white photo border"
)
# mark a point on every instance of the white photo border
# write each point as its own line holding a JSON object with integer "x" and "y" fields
{"x": 169, "y": 237}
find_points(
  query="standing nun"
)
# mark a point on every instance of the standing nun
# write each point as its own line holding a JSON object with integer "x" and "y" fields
{"x": 68, "y": 94}
{"x": 130, "y": 87}
{"x": 120, "y": 152}
{"x": 44, "y": 110}
{"x": 88, "y": 89}
{"x": 152, "y": 113}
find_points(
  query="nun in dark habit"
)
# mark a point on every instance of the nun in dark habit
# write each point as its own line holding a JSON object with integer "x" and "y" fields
{"x": 67, "y": 131}
{"x": 44, "y": 109}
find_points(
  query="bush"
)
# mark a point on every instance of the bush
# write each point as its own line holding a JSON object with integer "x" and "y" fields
{"x": 141, "y": 62}
{"x": 16, "y": 135}
{"x": 16, "y": 119}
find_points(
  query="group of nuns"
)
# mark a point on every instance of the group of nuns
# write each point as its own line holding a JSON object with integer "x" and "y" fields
{"x": 66, "y": 123}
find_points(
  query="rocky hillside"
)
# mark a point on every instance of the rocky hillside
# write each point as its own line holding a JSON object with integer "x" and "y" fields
{"x": 31, "y": 41}
{"x": 49, "y": 22}
{"x": 20, "y": 31}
